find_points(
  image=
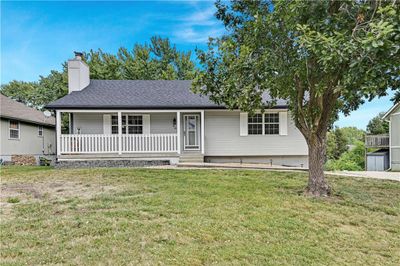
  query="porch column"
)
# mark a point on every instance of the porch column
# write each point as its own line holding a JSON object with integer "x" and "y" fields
{"x": 202, "y": 131}
{"x": 178, "y": 130}
{"x": 119, "y": 133}
{"x": 58, "y": 132}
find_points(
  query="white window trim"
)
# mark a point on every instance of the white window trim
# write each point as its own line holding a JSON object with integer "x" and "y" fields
{"x": 264, "y": 123}
{"x": 126, "y": 124}
{"x": 269, "y": 123}
{"x": 40, "y": 127}
{"x": 9, "y": 130}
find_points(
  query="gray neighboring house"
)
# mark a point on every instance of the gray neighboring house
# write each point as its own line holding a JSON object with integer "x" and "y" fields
{"x": 26, "y": 133}
{"x": 165, "y": 120}
{"x": 393, "y": 117}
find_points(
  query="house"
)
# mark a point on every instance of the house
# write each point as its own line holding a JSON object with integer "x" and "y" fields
{"x": 26, "y": 133}
{"x": 393, "y": 117}
{"x": 163, "y": 120}
{"x": 385, "y": 154}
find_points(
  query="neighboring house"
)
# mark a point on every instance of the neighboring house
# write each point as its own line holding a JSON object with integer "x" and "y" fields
{"x": 165, "y": 120}
{"x": 26, "y": 133}
{"x": 386, "y": 147}
{"x": 393, "y": 117}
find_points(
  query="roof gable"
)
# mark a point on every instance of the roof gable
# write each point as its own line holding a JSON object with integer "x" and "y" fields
{"x": 395, "y": 109}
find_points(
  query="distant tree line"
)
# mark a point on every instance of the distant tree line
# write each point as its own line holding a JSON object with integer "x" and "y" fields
{"x": 154, "y": 61}
{"x": 345, "y": 148}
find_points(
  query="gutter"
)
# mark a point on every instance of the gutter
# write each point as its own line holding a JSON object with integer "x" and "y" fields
{"x": 28, "y": 121}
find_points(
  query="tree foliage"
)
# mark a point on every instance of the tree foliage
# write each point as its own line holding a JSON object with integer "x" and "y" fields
{"x": 352, "y": 135}
{"x": 396, "y": 97}
{"x": 336, "y": 144}
{"x": 351, "y": 160}
{"x": 377, "y": 125}
{"x": 157, "y": 60}
{"x": 321, "y": 56}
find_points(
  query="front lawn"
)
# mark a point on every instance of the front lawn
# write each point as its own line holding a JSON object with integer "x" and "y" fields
{"x": 194, "y": 217}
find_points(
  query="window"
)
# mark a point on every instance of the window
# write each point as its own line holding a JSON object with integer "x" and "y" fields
{"x": 14, "y": 129}
{"x": 255, "y": 124}
{"x": 267, "y": 124}
{"x": 271, "y": 124}
{"x": 133, "y": 124}
{"x": 40, "y": 131}
{"x": 114, "y": 124}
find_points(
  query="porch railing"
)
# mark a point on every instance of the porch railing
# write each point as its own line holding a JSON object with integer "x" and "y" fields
{"x": 377, "y": 141}
{"x": 150, "y": 143}
{"x": 130, "y": 143}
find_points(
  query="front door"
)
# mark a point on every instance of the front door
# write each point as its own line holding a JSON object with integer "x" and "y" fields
{"x": 191, "y": 132}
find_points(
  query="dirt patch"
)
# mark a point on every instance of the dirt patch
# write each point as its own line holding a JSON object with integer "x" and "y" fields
{"x": 13, "y": 193}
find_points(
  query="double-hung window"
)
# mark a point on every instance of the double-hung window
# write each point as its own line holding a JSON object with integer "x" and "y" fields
{"x": 131, "y": 124}
{"x": 255, "y": 124}
{"x": 135, "y": 124}
{"x": 263, "y": 124}
{"x": 271, "y": 124}
{"x": 40, "y": 131}
{"x": 14, "y": 129}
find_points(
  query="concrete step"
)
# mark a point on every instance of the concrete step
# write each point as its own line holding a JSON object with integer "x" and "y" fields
{"x": 191, "y": 161}
{"x": 191, "y": 158}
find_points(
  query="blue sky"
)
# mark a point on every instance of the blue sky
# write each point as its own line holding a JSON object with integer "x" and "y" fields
{"x": 37, "y": 37}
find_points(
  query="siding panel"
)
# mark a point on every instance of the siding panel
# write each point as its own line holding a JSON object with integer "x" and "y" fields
{"x": 222, "y": 138}
{"x": 395, "y": 140}
{"x": 162, "y": 123}
{"x": 29, "y": 142}
{"x": 88, "y": 123}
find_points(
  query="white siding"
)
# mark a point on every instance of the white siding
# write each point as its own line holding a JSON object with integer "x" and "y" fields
{"x": 222, "y": 138}
{"x": 162, "y": 123}
{"x": 395, "y": 140}
{"x": 29, "y": 141}
{"x": 88, "y": 123}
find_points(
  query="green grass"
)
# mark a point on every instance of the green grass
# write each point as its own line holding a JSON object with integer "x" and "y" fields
{"x": 13, "y": 200}
{"x": 194, "y": 217}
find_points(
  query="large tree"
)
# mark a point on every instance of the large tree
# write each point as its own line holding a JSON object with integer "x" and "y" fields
{"x": 321, "y": 56}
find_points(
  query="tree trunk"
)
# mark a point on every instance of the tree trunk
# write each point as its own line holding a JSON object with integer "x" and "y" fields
{"x": 317, "y": 185}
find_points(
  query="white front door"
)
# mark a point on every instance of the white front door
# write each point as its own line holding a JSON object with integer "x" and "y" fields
{"x": 191, "y": 132}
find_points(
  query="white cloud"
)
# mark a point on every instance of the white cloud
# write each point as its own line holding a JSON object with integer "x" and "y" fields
{"x": 202, "y": 17}
{"x": 198, "y": 26}
{"x": 198, "y": 35}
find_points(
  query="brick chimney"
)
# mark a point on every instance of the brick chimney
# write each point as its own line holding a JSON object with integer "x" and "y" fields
{"x": 78, "y": 73}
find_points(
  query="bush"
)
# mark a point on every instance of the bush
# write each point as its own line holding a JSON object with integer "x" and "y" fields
{"x": 352, "y": 160}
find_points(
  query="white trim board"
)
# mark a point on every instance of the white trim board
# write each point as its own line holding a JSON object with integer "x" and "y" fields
{"x": 156, "y": 110}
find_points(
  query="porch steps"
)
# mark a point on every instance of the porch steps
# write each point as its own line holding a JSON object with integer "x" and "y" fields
{"x": 191, "y": 158}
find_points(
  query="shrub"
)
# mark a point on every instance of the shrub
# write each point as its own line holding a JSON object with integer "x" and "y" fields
{"x": 352, "y": 160}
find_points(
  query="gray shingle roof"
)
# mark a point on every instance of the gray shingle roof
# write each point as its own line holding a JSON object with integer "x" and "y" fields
{"x": 18, "y": 111}
{"x": 138, "y": 94}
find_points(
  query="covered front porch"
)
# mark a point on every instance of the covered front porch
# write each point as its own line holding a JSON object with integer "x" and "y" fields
{"x": 129, "y": 133}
